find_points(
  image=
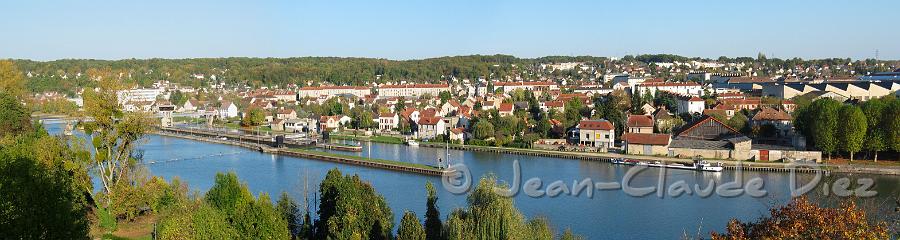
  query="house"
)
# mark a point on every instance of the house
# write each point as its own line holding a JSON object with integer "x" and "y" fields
{"x": 190, "y": 106}
{"x": 450, "y": 107}
{"x": 328, "y": 123}
{"x": 286, "y": 114}
{"x": 646, "y": 143}
{"x": 639, "y": 124}
{"x": 595, "y": 133}
{"x": 779, "y": 119}
{"x": 663, "y": 120}
{"x": 710, "y": 138}
{"x": 458, "y": 135}
{"x": 388, "y": 121}
{"x": 648, "y": 109}
{"x": 506, "y": 109}
{"x": 430, "y": 127}
{"x": 559, "y": 106}
{"x": 277, "y": 125}
{"x": 228, "y": 110}
{"x": 690, "y": 104}
{"x": 301, "y": 125}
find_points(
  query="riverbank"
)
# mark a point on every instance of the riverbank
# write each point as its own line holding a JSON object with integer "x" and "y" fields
{"x": 378, "y": 139}
{"x": 315, "y": 155}
{"x": 729, "y": 164}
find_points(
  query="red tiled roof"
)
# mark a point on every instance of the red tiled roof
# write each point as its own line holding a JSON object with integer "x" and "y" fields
{"x": 429, "y": 120}
{"x": 416, "y": 86}
{"x": 646, "y": 138}
{"x": 458, "y": 130}
{"x": 501, "y": 84}
{"x": 771, "y": 114}
{"x": 554, "y": 104}
{"x": 595, "y": 125}
{"x": 506, "y": 107}
{"x": 334, "y": 87}
{"x": 639, "y": 121}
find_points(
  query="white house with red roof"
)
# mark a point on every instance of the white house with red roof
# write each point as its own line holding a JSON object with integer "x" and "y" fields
{"x": 599, "y": 134}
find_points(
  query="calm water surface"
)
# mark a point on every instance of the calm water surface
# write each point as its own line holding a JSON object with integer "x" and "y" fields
{"x": 607, "y": 214}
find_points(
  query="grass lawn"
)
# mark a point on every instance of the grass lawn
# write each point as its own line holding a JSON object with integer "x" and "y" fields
{"x": 378, "y": 139}
{"x": 358, "y": 158}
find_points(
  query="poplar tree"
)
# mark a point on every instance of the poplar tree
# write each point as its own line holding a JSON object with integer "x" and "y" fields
{"x": 852, "y": 134}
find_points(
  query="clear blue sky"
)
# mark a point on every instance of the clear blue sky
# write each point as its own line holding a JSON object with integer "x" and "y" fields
{"x": 46, "y": 30}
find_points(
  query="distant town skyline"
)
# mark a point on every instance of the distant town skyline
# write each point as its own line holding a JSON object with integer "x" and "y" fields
{"x": 400, "y": 30}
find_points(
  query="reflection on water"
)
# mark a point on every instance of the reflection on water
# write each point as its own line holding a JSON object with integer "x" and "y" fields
{"x": 606, "y": 214}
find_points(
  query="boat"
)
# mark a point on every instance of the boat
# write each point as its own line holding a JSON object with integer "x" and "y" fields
{"x": 697, "y": 165}
{"x": 412, "y": 143}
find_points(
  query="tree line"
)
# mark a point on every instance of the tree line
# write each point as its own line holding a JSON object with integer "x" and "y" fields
{"x": 832, "y": 126}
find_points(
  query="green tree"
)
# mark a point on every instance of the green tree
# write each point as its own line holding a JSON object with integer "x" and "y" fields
{"x": 445, "y": 96}
{"x": 113, "y": 134}
{"x": 853, "y": 132}
{"x": 738, "y": 121}
{"x": 228, "y": 194}
{"x": 40, "y": 197}
{"x": 253, "y": 117}
{"x": 14, "y": 118}
{"x": 349, "y": 208}
{"x": 11, "y": 80}
{"x": 178, "y": 98}
{"x": 824, "y": 112}
{"x": 410, "y": 227}
{"x": 260, "y": 220}
{"x": 483, "y": 129}
{"x": 290, "y": 212}
{"x": 875, "y": 134}
{"x": 433, "y": 225}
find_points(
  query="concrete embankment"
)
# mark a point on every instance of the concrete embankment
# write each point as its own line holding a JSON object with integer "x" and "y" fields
{"x": 264, "y": 146}
{"x": 729, "y": 165}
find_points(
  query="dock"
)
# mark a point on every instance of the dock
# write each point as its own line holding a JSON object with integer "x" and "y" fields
{"x": 599, "y": 158}
{"x": 266, "y": 145}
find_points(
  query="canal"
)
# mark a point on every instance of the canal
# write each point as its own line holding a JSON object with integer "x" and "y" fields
{"x": 606, "y": 214}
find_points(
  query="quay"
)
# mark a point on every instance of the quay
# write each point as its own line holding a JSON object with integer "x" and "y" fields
{"x": 608, "y": 157}
{"x": 266, "y": 145}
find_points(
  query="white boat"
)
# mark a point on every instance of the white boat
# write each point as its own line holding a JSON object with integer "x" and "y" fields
{"x": 698, "y": 165}
{"x": 412, "y": 143}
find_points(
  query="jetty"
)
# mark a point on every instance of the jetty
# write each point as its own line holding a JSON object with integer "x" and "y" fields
{"x": 292, "y": 148}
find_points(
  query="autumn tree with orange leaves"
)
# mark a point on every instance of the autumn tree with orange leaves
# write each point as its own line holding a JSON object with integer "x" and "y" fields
{"x": 802, "y": 219}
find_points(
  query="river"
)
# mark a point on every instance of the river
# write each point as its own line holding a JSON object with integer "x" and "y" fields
{"x": 606, "y": 214}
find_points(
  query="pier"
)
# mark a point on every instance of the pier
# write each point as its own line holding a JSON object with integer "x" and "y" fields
{"x": 266, "y": 145}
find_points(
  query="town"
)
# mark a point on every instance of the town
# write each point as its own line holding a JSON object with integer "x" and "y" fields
{"x": 747, "y": 109}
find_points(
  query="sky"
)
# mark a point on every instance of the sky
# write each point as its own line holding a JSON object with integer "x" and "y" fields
{"x": 415, "y": 29}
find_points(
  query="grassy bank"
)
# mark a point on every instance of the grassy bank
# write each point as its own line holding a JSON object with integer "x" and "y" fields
{"x": 378, "y": 139}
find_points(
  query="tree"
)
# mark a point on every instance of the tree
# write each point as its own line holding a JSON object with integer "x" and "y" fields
{"x": 290, "y": 212}
{"x": 853, "y": 132}
{"x": 113, "y": 134}
{"x": 253, "y": 117}
{"x": 400, "y": 105}
{"x": 11, "y": 80}
{"x": 178, "y": 98}
{"x": 483, "y": 129}
{"x": 228, "y": 194}
{"x": 824, "y": 124}
{"x": 433, "y": 225}
{"x": 445, "y": 96}
{"x": 350, "y": 208}
{"x": 738, "y": 122}
{"x": 410, "y": 228}
{"x": 15, "y": 119}
{"x": 43, "y": 192}
{"x": 802, "y": 219}
{"x": 875, "y": 134}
